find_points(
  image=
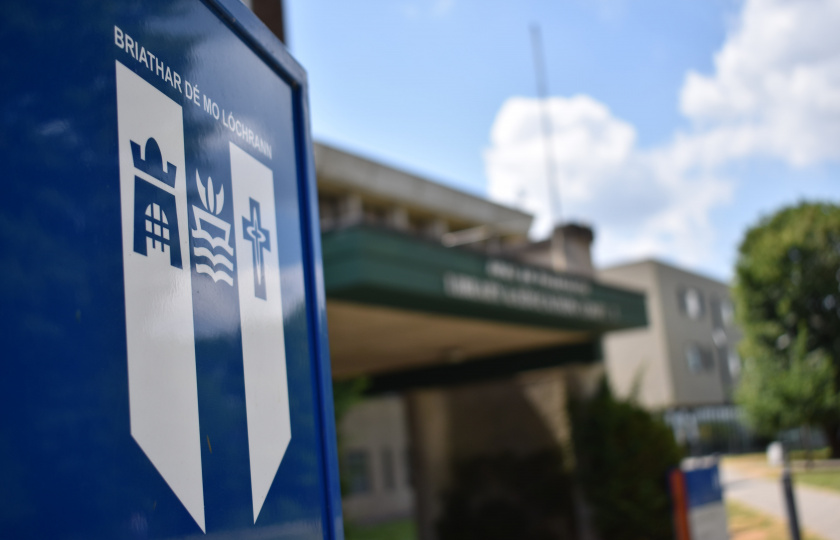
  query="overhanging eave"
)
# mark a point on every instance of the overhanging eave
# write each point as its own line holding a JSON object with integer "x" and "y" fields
{"x": 380, "y": 267}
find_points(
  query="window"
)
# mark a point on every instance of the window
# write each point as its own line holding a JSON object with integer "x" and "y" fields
{"x": 734, "y": 363}
{"x": 357, "y": 471}
{"x": 157, "y": 228}
{"x": 698, "y": 358}
{"x": 722, "y": 312}
{"x": 691, "y": 302}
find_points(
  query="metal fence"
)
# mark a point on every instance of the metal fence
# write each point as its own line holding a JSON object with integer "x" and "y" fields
{"x": 713, "y": 429}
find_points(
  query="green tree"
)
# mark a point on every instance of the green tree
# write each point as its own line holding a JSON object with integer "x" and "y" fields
{"x": 788, "y": 306}
{"x": 783, "y": 393}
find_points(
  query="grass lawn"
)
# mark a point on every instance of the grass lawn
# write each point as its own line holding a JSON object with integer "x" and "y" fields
{"x": 825, "y": 479}
{"x": 395, "y": 530}
{"x": 744, "y": 524}
{"x": 748, "y": 524}
{"x": 819, "y": 453}
{"x": 757, "y": 464}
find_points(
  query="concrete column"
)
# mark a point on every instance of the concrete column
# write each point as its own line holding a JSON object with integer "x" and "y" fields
{"x": 436, "y": 228}
{"x": 546, "y": 391}
{"x": 350, "y": 210}
{"x": 521, "y": 415}
{"x": 428, "y": 424}
{"x": 495, "y": 417}
{"x": 326, "y": 212}
{"x": 397, "y": 218}
{"x": 583, "y": 380}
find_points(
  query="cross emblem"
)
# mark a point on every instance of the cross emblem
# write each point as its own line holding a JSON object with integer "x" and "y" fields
{"x": 260, "y": 240}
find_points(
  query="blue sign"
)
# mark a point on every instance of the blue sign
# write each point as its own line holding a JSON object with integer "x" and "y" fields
{"x": 165, "y": 370}
{"x": 703, "y": 486}
{"x": 697, "y": 497}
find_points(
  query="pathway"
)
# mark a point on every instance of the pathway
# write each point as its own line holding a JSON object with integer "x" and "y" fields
{"x": 819, "y": 510}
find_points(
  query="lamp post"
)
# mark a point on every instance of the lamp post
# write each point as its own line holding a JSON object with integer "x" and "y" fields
{"x": 790, "y": 499}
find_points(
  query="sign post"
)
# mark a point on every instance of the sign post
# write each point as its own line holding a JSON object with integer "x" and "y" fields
{"x": 166, "y": 369}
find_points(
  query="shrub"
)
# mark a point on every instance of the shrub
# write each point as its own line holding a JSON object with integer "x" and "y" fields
{"x": 505, "y": 497}
{"x": 623, "y": 456}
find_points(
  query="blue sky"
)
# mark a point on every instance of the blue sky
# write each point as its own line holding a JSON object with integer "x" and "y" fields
{"x": 661, "y": 162}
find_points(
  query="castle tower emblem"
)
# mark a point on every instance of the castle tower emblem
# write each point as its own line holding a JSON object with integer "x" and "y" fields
{"x": 155, "y": 214}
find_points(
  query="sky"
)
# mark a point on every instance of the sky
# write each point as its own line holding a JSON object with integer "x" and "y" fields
{"x": 674, "y": 124}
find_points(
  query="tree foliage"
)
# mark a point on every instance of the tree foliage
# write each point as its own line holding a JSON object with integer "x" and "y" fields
{"x": 785, "y": 393}
{"x": 788, "y": 306}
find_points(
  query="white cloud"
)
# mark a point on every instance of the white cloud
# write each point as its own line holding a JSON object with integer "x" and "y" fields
{"x": 775, "y": 91}
{"x": 643, "y": 203}
{"x": 776, "y": 85}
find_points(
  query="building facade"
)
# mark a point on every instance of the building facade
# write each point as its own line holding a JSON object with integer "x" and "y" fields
{"x": 470, "y": 336}
{"x": 685, "y": 362}
{"x": 687, "y": 355}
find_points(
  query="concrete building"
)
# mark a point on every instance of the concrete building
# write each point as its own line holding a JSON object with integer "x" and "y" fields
{"x": 686, "y": 356}
{"x": 685, "y": 362}
{"x": 470, "y": 335}
{"x": 376, "y": 461}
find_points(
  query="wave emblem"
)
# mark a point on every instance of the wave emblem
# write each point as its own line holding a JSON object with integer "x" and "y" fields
{"x": 211, "y": 236}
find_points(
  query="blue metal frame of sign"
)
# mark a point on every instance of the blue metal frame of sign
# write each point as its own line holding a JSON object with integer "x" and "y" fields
{"x": 316, "y": 300}
{"x": 155, "y": 383}
{"x": 275, "y": 53}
